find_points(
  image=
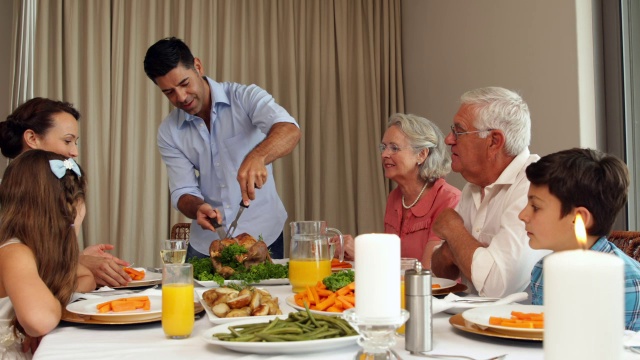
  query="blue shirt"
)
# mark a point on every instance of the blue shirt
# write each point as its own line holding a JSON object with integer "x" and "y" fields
{"x": 205, "y": 164}
{"x": 631, "y": 283}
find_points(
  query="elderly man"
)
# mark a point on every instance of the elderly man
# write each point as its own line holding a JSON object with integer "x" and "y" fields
{"x": 485, "y": 242}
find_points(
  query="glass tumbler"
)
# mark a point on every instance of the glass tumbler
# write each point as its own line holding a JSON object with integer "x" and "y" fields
{"x": 177, "y": 300}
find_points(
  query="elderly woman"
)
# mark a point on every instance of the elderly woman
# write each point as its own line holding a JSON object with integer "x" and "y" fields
{"x": 414, "y": 156}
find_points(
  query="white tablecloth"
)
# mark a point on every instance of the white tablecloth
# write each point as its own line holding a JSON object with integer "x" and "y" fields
{"x": 147, "y": 341}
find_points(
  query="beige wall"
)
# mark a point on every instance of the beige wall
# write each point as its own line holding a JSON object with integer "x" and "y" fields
{"x": 543, "y": 49}
{"x": 6, "y": 18}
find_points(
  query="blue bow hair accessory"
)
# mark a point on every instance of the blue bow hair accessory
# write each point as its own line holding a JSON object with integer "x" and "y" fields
{"x": 59, "y": 167}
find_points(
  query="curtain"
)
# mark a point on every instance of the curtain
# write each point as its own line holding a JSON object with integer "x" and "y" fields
{"x": 334, "y": 65}
{"x": 24, "y": 25}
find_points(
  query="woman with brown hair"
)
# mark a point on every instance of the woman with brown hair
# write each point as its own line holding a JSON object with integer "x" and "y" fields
{"x": 41, "y": 209}
{"x": 51, "y": 125}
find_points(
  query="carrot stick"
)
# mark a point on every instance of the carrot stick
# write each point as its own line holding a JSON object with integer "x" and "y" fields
{"x": 345, "y": 289}
{"x": 316, "y": 298}
{"x": 329, "y": 301}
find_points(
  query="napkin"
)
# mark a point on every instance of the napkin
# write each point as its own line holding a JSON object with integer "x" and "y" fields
{"x": 631, "y": 338}
{"x": 448, "y": 302}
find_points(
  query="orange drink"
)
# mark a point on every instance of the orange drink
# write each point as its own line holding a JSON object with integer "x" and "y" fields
{"x": 405, "y": 264}
{"x": 177, "y": 310}
{"x": 402, "y": 303}
{"x": 177, "y": 300}
{"x": 307, "y": 272}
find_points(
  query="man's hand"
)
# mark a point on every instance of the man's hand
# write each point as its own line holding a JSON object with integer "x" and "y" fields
{"x": 204, "y": 215}
{"x": 459, "y": 246}
{"x": 443, "y": 263}
{"x": 252, "y": 175}
{"x": 106, "y": 271}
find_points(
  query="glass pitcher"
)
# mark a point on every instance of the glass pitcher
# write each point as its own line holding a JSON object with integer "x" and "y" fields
{"x": 311, "y": 253}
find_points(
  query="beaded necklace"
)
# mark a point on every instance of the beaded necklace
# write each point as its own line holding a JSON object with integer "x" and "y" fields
{"x": 418, "y": 198}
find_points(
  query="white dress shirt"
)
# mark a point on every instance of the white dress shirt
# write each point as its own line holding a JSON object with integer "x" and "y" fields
{"x": 504, "y": 266}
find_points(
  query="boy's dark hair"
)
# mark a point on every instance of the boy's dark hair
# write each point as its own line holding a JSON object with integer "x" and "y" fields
{"x": 165, "y": 55}
{"x": 584, "y": 177}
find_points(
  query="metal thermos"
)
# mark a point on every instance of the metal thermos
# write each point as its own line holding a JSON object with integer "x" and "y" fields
{"x": 419, "y": 327}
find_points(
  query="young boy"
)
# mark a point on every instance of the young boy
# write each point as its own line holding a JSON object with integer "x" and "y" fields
{"x": 585, "y": 182}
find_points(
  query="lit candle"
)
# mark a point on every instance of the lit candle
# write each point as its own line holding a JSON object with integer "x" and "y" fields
{"x": 583, "y": 303}
{"x": 377, "y": 267}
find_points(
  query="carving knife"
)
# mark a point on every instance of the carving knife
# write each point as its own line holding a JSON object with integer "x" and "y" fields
{"x": 219, "y": 228}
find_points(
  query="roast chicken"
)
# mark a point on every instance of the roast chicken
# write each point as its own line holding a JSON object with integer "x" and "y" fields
{"x": 257, "y": 253}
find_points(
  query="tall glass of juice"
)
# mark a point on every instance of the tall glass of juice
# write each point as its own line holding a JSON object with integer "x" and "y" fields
{"x": 311, "y": 253}
{"x": 405, "y": 264}
{"x": 177, "y": 300}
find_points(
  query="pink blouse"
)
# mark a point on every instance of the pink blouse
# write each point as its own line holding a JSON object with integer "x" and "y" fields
{"x": 416, "y": 232}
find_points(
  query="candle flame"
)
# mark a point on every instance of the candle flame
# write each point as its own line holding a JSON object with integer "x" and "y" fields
{"x": 581, "y": 232}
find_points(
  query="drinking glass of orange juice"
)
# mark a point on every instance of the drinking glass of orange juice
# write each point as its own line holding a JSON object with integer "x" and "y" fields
{"x": 311, "y": 253}
{"x": 177, "y": 300}
{"x": 405, "y": 264}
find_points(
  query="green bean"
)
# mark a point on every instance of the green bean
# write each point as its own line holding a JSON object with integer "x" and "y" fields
{"x": 299, "y": 326}
{"x": 272, "y": 324}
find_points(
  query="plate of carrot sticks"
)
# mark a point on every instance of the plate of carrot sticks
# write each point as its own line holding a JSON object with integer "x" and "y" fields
{"x": 120, "y": 307}
{"x": 512, "y": 318}
{"x": 324, "y": 301}
{"x": 140, "y": 277}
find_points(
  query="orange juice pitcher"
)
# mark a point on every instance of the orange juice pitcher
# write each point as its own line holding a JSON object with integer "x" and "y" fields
{"x": 311, "y": 253}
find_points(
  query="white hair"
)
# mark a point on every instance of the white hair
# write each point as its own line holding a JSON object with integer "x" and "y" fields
{"x": 501, "y": 109}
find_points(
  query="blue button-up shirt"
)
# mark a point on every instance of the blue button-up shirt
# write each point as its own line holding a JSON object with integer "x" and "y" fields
{"x": 631, "y": 283}
{"x": 205, "y": 163}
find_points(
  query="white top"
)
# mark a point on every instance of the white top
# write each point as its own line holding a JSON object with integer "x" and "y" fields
{"x": 10, "y": 346}
{"x": 504, "y": 266}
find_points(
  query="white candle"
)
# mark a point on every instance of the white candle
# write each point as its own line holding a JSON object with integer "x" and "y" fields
{"x": 583, "y": 305}
{"x": 377, "y": 267}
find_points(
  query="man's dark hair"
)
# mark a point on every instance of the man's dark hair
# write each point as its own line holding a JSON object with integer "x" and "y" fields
{"x": 165, "y": 55}
{"x": 587, "y": 178}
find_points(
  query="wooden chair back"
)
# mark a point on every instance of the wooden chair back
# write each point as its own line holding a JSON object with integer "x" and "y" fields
{"x": 181, "y": 231}
{"x": 627, "y": 241}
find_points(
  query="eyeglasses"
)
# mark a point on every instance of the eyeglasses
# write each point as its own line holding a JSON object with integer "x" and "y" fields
{"x": 457, "y": 134}
{"x": 392, "y": 147}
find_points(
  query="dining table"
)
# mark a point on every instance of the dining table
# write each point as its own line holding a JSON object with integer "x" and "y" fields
{"x": 147, "y": 341}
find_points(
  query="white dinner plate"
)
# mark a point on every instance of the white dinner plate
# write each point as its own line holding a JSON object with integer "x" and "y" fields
{"x": 213, "y": 284}
{"x": 480, "y": 317}
{"x": 291, "y": 301}
{"x": 150, "y": 278}
{"x": 88, "y": 307}
{"x": 290, "y": 347}
{"x": 212, "y": 317}
{"x": 444, "y": 283}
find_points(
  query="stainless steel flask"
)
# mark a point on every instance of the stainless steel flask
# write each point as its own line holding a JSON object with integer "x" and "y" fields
{"x": 419, "y": 327}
